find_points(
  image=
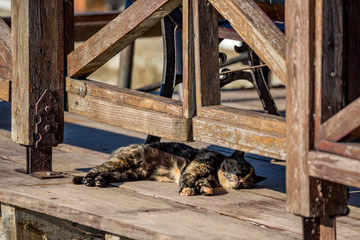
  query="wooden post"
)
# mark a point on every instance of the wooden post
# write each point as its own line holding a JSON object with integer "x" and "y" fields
{"x": 206, "y": 55}
{"x": 38, "y": 74}
{"x": 307, "y": 196}
{"x": 189, "y": 103}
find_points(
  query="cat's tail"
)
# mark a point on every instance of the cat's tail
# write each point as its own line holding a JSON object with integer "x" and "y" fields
{"x": 78, "y": 179}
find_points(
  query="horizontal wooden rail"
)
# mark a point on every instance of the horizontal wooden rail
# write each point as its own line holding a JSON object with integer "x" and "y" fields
{"x": 334, "y": 168}
{"x": 124, "y": 96}
{"x": 258, "y": 31}
{"x": 252, "y": 132}
{"x": 116, "y": 35}
{"x": 130, "y": 117}
{"x": 346, "y": 149}
{"x": 126, "y": 108}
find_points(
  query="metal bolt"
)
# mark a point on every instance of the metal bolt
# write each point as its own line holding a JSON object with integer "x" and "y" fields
{"x": 47, "y": 128}
{"x": 47, "y": 109}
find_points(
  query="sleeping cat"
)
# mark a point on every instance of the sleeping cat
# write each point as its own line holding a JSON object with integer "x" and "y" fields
{"x": 195, "y": 170}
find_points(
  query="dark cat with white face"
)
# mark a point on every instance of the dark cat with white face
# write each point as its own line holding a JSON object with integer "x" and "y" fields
{"x": 195, "y": 170}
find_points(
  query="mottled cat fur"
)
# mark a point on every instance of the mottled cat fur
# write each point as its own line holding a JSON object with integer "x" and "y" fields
{"x": 195, "y": 170}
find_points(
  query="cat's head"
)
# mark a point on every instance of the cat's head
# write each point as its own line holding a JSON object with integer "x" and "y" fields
{"x": 235, "y": 172}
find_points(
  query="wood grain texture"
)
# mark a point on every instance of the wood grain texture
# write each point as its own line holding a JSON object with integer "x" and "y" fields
{"x": 206, "y": 55}
{"x": 258, "y": 31}
{"x": 342, "y": 170}
{"x": 131, "y": 117}
{"x": 300, "y": 76}
{"x": 116, "y": 35}
{"x": 247, "y": 118}
{"x": 37, "y": 63}
{"x": 124, "y": 96}
{"x": 239, "y": 137}
{"x": 342, "y": 123}
{"x": 5, "y": 90}
{"x": 5, "y": 51}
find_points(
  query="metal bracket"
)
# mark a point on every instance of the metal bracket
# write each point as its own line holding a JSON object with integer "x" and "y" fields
{"x": 39, "y": 158}
{"x": 46, "y": 121}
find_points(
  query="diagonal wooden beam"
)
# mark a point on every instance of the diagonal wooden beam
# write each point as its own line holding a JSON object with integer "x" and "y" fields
{"x": 116, "y": 35}
{"x": 258, "y": 31}
{"x": 342, "y": 123}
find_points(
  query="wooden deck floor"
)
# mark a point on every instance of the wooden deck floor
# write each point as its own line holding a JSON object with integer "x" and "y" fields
{"x": 150, "y": 210}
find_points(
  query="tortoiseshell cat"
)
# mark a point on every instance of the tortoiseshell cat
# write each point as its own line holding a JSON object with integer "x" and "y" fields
{"x": 196, "y": 170}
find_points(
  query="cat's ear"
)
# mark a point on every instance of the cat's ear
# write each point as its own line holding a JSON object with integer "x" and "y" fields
{"x": 258, "y": 179}
{"x": 238, "y": 154}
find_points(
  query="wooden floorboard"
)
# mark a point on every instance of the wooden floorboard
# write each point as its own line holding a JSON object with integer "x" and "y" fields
{"x": 118, "y": 210}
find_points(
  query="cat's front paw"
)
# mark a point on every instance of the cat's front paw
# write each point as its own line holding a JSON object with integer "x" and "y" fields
{"x": 187, "y": 192}
{"x": 100, "y": 182}
{"x": 207, "y": 191}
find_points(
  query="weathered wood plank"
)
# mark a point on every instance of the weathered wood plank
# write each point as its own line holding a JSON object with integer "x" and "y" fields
{"x": 206, "y": 55}
{"x": 331, "y": 167}
{"x": 116, "y": 35}
{"x": 37, "y": 63}
{"x": 237, "y": 136}
{"x": 124, "y": 96}
{"x": 189, "y": 101}
{"x": 342, "y": 123}
{"x": 5, "y": 90}
{"x": 129, "y": 117}
{"x": 251, "y": 119}
{"x": 300, "y": 74}
{"x": 21, "y": 223}
{"x": 258, "y": 31}
{"x": 5, "y": 53}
